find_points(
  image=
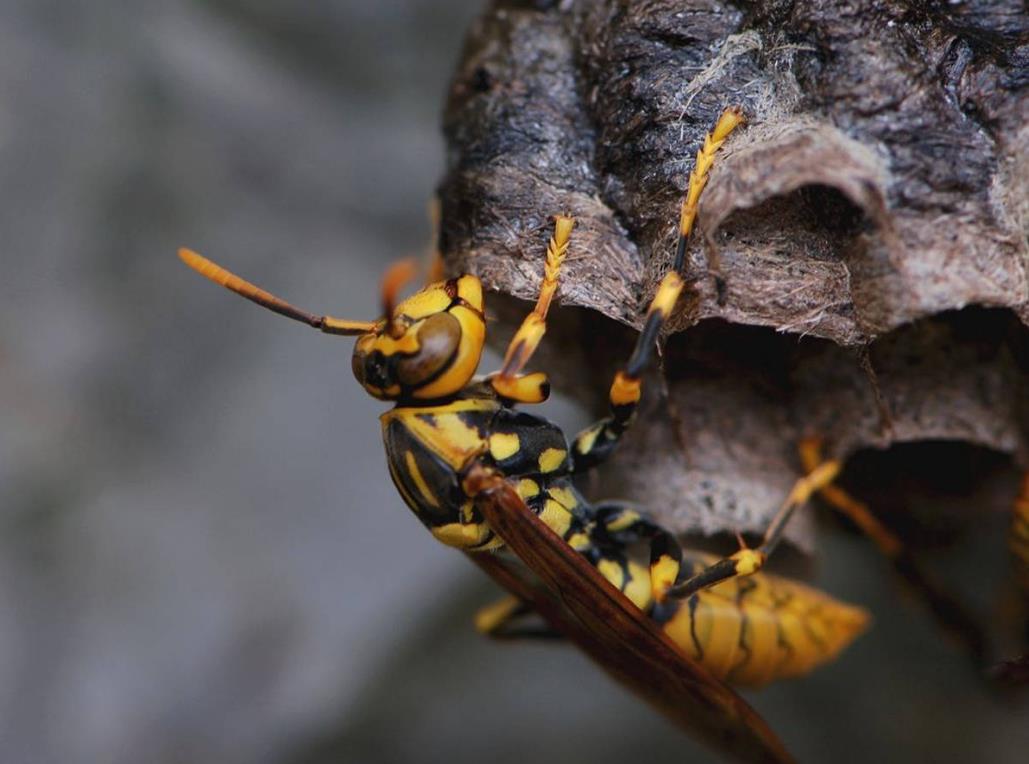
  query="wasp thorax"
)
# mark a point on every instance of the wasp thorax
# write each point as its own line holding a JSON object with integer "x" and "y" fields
{"x": 429, "y": 349}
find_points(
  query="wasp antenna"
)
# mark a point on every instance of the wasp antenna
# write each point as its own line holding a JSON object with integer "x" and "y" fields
{"x": 229, "y": 280}
{"x": 398, "y": 274}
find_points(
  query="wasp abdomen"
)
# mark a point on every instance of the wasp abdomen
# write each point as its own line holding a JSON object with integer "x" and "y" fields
{"x": 754, "y": 630}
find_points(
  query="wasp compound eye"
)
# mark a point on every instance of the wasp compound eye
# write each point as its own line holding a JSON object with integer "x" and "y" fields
{"x": 438, "y": 338}
{"x": 376, "y": 371}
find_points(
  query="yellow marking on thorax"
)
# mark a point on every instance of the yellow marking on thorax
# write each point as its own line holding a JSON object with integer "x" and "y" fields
{"x": 528, "y": 488}
{"x": 419, "y": 480}
{"x": 551, "y": 459}
{"x": 447, "y": 436}
{"x": 503, "y": 445}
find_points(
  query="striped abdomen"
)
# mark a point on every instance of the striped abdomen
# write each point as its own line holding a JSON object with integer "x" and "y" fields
{"x": 753, "y": 630}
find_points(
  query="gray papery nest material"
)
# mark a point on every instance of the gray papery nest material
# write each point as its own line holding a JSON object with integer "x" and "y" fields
{"x": 860, "y": 268}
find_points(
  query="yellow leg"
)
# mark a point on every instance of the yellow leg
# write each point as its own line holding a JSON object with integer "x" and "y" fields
{"x": 748, "y": 561}
{"x": 492, "y": 618}
{"x": 596, "y": 442}
{"x": 731, "y": 119}
{"x": 532, "y": 388}
{"x": 500, "y": 620}
{"x": 810, "y": 450}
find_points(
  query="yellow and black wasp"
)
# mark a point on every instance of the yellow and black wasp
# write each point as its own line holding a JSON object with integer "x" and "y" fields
{"x": 482, "y": 475}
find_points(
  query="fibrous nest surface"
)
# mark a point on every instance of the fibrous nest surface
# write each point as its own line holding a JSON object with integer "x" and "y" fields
{"x": 859, "y": 269}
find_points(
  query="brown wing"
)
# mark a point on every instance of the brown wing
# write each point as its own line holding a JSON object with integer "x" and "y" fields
{"x": 601, "y": 621}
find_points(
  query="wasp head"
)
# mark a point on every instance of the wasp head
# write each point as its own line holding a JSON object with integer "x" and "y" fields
{"x": 429, "y": 345}
{"x": 426, "y": 347}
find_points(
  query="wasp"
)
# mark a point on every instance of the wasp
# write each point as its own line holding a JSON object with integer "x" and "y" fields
{"x": 483, "y": 475}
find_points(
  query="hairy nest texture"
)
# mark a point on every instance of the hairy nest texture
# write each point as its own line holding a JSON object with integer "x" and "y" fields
{"x": 860, "y": 268}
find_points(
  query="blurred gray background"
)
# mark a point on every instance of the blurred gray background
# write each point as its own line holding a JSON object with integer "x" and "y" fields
{"x": 202, "y": 557}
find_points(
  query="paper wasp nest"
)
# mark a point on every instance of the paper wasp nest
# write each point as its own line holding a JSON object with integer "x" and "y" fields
{"x": 860, "y": 265}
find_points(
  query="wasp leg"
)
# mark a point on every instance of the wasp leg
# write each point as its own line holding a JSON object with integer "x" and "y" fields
{"x": 948, "y": 611}
{"x": 595, "y": 443}
{"x": 730, "y": 119}
{"x": 810, "y": 450}
{"x": 749, "y": 561}
{"x": 534, "y": 388}
{"x": 611, "y": 629}
{"x": 600, "y": 535}
{"x": 501, "y": 620}
{"x": 624, "y": 526}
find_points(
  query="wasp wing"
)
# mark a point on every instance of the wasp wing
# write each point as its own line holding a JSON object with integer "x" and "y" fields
{"x": 624, "y": 641}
